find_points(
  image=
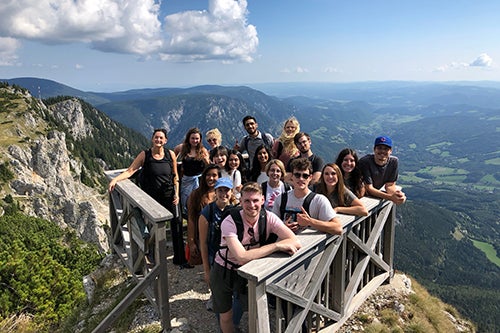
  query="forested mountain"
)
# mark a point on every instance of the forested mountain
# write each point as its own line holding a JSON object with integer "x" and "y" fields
{"x": 446, "y": 136}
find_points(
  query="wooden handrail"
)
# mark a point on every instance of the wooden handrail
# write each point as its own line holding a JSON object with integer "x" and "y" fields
{"x": 127, "y": 240}
{"x": 317, "y": 288}
{"x": 328, "y": 278}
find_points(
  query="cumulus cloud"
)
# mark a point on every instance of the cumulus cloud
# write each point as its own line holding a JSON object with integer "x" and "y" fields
{"x": 483, "y": 60}
{"x": 297, "y": 69}
{"x": 221, "y": 32}
{"x": 8, "y": 48}
{"x": 134, "y": 27}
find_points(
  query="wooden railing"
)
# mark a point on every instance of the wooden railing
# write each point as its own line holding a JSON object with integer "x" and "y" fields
{"x": 321, "y": 285}
{"x": 138, "y": 236}
{"x": 316, "y": 289}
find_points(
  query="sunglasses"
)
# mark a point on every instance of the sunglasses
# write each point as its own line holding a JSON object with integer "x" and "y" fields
{"x": 301, "y": 175}
{"x": 211, "y": 140}
{"x": 253, "y": 241}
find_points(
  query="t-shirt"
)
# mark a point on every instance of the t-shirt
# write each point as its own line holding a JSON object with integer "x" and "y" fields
{"x": 317, "y": 163}
{"x": 378, "y": 175}
{"x": 320, "y": 207}
{"x": 348, "y": 198}
{"x": 253, "y": 143}
{"x": 272, "y": 193}
{"x": 228, "y": 229}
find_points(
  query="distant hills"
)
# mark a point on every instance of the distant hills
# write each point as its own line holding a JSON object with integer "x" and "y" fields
{"x": 446, "y": 136}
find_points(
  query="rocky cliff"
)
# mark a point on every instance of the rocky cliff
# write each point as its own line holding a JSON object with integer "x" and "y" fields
{"x": 47, "y": 176}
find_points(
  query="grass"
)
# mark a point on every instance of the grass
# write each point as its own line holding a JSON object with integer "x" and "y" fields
{"x": 488, "y": 250}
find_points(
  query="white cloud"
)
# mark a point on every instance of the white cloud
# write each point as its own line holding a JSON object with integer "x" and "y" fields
{"x": 483, "y": 60}
{"x": 221, "y": 32}
{"x": 134, "y": 27}
{"x": 301, "y": 70}
{"x": 78, "y": 66}
{"x": 331, "y": 70}
{"x": 8, "y": 48}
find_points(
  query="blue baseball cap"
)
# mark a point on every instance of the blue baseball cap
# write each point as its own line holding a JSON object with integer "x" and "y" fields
{"x": 224, "y": 182}
{"x": 383, "y": 140}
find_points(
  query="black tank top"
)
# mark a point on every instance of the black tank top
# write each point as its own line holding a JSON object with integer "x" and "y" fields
{"x": 192, "y": 166}
{"x": 157, "y": 175}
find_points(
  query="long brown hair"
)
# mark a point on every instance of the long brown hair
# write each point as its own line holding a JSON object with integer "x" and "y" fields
{"x": 322, "y": 188}
{"x": 186, "y": 146}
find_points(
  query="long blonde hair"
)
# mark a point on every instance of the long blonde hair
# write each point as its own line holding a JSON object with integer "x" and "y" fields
{"x": 289, "y": 146}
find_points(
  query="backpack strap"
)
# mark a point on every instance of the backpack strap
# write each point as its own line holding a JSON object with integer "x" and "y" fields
{"x": 284, "y": 200}
{"x": 280, "y": 149}
{"x": 307, "y": 201}
{"x": 264, "y": 189}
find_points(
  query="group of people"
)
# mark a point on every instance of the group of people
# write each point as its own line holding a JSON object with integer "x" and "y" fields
{"x": 238, "y": 210}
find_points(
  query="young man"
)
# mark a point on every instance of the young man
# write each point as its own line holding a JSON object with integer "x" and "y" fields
{"x": 303, "y": 143}
{"x": 253, "y": 139}
{"x": 380, "y": 170}
{"x": 234, "y": 252}
{"x": 317, "y": 214}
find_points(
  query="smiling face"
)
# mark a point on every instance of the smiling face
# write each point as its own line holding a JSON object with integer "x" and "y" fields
{"x": 251, "y": 126}
{"x": 220, "y": 160}
{"x": 382, "y": 154}
{"x": 290, "y": 128}
{"x": 251, "y": 201}
{"x": 263, "y": 156}
{"x": 212, "y": 141}
{"x": 330, "y": 176}
{"x": 348, "y": 163}
{"x": 211, "y": 177}
{"x": 234, "y": 161}
{"x": 223, "y": 194}
{"x": 274, "y": 173}
{"x": 194, "y": 139}
{"x": 159, "y": 139}
{"x": 301, "y": 179}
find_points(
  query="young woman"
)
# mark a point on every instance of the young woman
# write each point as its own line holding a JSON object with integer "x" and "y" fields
{"x": 331, "y": 185}
{"x": 275, "y": 170}
{"x": 235, "y": 167}
{"x": 347, "y": 160}
{"x": 284, "y": 148}
{"x": 210, "y": 235}
{"x": 159, "y": 179}
{"x": 219, "y": 156}
{"x": 200, "y": 197}
{"x": 214, "y": 138}
{"x": 194, "y": 158}
{"x": 260, "y": 159}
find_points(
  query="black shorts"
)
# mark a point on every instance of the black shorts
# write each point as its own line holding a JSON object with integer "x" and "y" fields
{"x": 224, "y": 283}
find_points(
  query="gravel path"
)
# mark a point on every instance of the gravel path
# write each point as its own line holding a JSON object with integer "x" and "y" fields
{"x": 188, "y": 295}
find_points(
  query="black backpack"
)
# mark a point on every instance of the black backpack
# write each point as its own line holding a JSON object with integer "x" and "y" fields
{"x": 214, "y": 233}
{"x": 306, "y": 204}
{"x": 263, "y": 239}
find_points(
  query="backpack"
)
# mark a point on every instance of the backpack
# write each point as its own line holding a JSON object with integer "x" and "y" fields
{"x": 263, "y": 239}
{"x": 265, "y": 139}
{"x": 214, "y": 233}
{"x": 306, "y": 204}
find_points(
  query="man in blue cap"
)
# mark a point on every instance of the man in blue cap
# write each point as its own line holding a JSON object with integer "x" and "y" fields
{"x": 380, "y": 172}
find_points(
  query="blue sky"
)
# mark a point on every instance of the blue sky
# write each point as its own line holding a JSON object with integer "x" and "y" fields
{"x": 110, "y": 45}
